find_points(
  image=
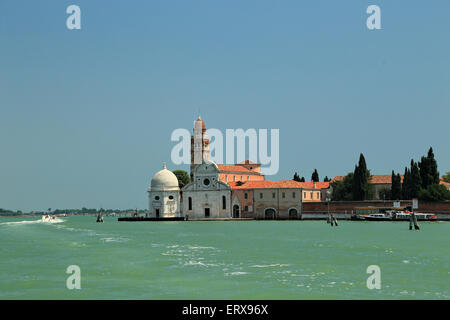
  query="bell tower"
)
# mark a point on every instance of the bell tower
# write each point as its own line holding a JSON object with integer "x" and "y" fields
{"x": 199, "y": 144}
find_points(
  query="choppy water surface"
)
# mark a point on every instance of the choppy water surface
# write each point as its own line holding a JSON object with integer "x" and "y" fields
{"x": 222, "y": 260}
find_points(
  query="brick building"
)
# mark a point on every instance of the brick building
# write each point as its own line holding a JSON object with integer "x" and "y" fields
{"x": 274, "y": 199}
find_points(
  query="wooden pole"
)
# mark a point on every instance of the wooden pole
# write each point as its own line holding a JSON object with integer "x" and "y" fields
{"x": 416, "y": 225}
{"x": 335, "y": 221}
{"x": 410, "y": 221}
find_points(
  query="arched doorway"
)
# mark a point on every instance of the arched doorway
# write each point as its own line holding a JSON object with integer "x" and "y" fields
{"x": 235, "y": 211}
{"x": 293, "y": 214}
{"x": 269, "y": 214}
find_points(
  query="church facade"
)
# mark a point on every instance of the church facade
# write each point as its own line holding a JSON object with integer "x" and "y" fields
{"x": 206, "y": 197}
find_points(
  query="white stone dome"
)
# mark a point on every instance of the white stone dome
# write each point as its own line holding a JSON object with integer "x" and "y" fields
{"x": 164, "y": 180}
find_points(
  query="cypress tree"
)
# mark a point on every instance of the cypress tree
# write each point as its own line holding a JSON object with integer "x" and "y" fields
{"x": 399, "y": 181}
{"x": 326, "y": 179}
{"x": 296, "y": 177}
{"x": 360, "y": 185}
{"x": 315, "y": 176}
{"x": 406, "y": 185}
{"x": 405, "y": 179}
{"x": 428, "y": 170}
{"x": 356, "y": 190}
{"x": 396, "y": 186}
{"x": 302, "y": 179}
{"x": 416, "y": 181}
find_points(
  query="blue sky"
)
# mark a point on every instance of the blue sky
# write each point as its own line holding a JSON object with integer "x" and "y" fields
{"x": 86, "y": 115}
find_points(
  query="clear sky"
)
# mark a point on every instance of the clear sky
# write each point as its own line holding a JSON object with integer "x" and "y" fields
{"x": 86, "y": 115}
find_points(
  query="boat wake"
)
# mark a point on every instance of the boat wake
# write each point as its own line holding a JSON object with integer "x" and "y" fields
{"x": 24, "y": 222}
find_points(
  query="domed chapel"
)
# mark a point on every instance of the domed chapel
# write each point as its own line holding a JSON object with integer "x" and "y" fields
{"x": 164, "y": 195}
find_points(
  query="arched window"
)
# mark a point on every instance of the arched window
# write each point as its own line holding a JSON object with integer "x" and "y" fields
{"x": 293, "y": 213}
{"x": 224, "y": 202}
{"x": 190, "y": 203}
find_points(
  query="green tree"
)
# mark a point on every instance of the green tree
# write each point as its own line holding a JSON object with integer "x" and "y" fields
{"x": 326, "y": 179}
{"x": 396, "y": 187}
{"x": 428, "y": 170}
{"x": 296, "y": 177}
{"x": 385, "y": 194}
{"x": 183, "y": 177}
{"x": 434, "y": 192}
{"x": 360, "y": 184}
{"x": 416, "y": 181}
{"x": 302, "y": 179}
{"x": 342, "y": 190}
{"x": 315, "y": 176}
{"x": 406, "y": 185}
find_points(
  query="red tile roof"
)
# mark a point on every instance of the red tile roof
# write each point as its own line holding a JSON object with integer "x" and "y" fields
{"x": 318, "y": 185}
{"x": 337, "y": 178}
{"x": 249, "y": 162}
{"x": 235, "y": 168}
{"x": 253, "y": 184}
{"x": 445, "y": 183}
{"x": 232, "y": 168}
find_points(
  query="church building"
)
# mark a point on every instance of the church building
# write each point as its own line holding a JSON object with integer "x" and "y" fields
{"x": 206, "y": 196}
{"x": 164, "y": 195}
{"x": 221, "y": 191}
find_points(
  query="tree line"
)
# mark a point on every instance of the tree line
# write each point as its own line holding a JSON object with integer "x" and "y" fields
{"x": 420, "y": 180}
{"x": 314, "y": 177}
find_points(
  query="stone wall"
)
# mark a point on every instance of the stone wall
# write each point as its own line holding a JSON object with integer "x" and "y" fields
{"x": 342, "y": 207}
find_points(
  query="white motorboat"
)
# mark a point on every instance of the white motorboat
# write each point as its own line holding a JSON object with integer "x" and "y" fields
{"x": 48, "y": 218}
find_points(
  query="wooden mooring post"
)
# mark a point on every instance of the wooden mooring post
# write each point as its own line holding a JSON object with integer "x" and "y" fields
{"x": 335, "y": 220}
{"x": 412, "y": 216}
{"x": 332, "y": 219}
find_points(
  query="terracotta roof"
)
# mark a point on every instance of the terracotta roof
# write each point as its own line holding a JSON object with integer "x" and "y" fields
{"x": 283, "y": 184}
{"x": 383, "y": 179}
{"x": 234, "y": 168}
{"x": 375, "y": 179}
{"x": 249, "y": 162}
{"x": 337, "y": 178}
{"x": 318, "y": 185}
{"x": 252, "y": 184}
{"x": 444, "y": 183}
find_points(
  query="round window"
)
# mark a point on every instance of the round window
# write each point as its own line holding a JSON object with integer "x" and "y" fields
{"x": 206, "y": 182}
{"x": 171, "y": 197}
{"x": 157, "y": 198}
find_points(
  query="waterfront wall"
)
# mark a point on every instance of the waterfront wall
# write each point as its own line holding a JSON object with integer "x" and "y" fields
{"x": 344, "y": 209}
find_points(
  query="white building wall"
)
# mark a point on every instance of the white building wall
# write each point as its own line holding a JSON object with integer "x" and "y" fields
{"x": 168, "y": 208}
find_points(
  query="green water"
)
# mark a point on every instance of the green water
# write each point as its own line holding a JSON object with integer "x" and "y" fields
{"x": 222, "y": 260}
